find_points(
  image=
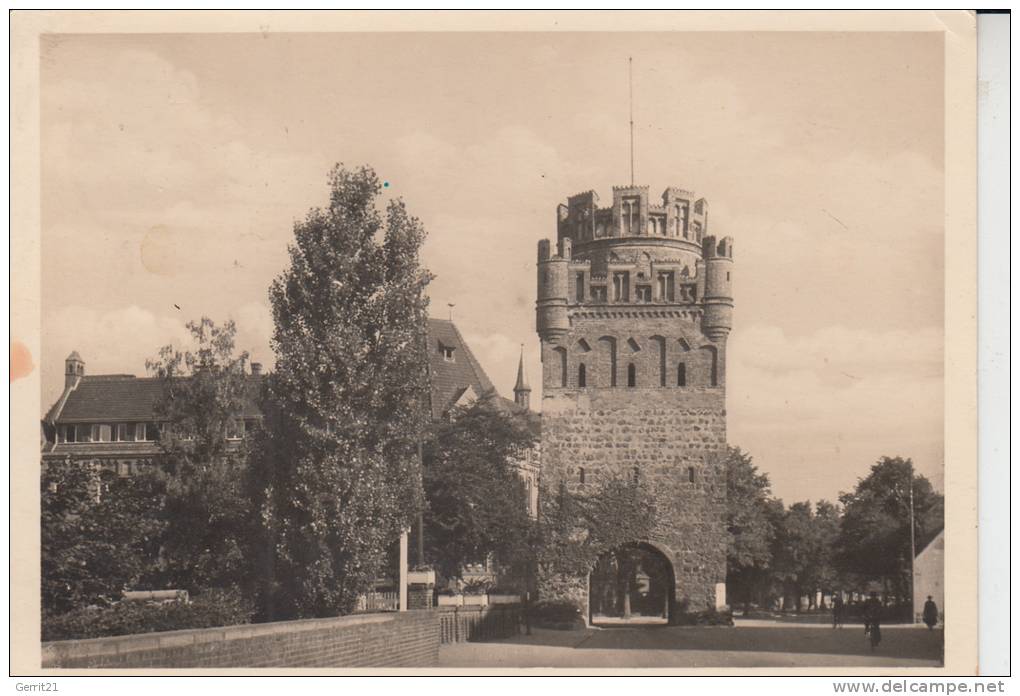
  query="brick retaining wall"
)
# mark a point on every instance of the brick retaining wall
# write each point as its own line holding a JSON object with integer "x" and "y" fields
{"x": 461, "y": 624}
{"x": 406, "y": 639}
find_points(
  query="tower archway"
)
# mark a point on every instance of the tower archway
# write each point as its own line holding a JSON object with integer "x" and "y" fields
{"x": 633, "y": 582}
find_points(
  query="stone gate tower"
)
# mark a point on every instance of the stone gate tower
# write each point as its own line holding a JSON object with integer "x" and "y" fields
{"x": 634, "y": 307}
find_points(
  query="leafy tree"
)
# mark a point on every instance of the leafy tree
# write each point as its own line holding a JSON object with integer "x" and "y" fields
{"x": 579, "y": 524}
{"x": 823, "y": 575}
{"x": 874, "y": 537}
{"x": 750, "y": 529}
{"x": 795, "y": 550}
{"x": 338, "y": 477}
{"x": 204, "y": 394}
{"x": 477, "y": 502}
{"x": 99, "y": 534}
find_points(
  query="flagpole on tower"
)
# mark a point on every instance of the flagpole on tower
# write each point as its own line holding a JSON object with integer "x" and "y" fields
{"x": 630, "y": 80}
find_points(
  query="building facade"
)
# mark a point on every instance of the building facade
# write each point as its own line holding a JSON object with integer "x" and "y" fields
{"x": 929, "y": 576}
{"x": 110, "y": 422}
{"x": 634, "y": 308}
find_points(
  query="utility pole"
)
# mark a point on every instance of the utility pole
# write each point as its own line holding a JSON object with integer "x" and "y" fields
{"x": 913, "y": 552}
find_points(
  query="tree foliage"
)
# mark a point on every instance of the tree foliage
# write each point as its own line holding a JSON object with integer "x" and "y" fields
{"x": 578, "y": 525}
{"x": 874, "y": 539}
{"x": 204, "y": 508}
{"x": 338, "y": 477}
{"x": 803, "y": 549}
{"x": 476, "y": 502}
{"x": 99, "y": 536}
{"x": 750, "y": 528}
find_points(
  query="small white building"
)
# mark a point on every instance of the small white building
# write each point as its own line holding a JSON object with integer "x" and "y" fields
{"x": 929, "y": 576}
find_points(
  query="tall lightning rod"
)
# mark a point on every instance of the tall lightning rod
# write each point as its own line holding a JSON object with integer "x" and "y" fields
{"x": 630, "y": 80}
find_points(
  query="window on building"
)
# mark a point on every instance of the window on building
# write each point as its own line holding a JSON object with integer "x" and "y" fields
{"x": 235, "y": 429}
{"x": 83, "y": 433}
{"x": 101, "y": 432}
{"x": 666, "y": 286}
{"x": 447, "y": 352}
{"x": 631, "y": 210}
{"x": 643, "y": 293}
{"x": 631, "y": 375}
{"x": 122, "y": 432}
{"x": 681, "y": 221}
{"x": 582, "y": 377}
{"x": 67, "y": 433}
{"x": 579, "y": 289}
{"x": 598, "y": 294}
{"x": 147, "y": 432}
{"x": 123, "y": 468}
{"x": 690, "y": 474}
{"x": 580, "y": 475}
{"x": 621, "y": 287}
{"x": 681, "y": 375}
{"x": 635, "y": 474}
{"x": 561, "y": 352}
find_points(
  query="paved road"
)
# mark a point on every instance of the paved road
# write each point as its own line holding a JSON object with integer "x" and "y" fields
{"x": 749, "y": 644}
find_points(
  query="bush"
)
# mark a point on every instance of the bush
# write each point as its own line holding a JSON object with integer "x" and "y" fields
{"x": 477, "y": 587}
{"x": 708, "y": 617}
{"x": 558, "y": 614}
{"x": 211, "y": 608}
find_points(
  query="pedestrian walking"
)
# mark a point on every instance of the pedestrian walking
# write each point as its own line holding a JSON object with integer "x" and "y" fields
{"x": 930, "y": 614}
{"x": 837, "y": 611}
{"x": 873, "y": 620}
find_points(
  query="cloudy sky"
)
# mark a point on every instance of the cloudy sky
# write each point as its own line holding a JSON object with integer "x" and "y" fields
{"x": 174, "y": 167}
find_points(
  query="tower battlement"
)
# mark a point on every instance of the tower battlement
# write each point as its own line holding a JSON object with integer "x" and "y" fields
{"x": 657, "y": 260}
{"x": 680, "y": 216}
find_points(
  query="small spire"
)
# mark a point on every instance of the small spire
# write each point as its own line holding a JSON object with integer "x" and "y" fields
{"x": 522, "y": 375}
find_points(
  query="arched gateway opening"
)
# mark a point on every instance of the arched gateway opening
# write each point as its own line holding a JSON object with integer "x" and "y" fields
{"x": 633, "y": 583}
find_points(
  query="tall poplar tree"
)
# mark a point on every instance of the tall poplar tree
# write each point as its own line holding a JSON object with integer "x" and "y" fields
{"x": 339, "y": 476}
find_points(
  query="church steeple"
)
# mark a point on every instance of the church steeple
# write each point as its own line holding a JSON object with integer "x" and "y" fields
{"x": 522, "y": 392}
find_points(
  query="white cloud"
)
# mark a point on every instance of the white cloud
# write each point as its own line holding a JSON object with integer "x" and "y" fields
{"x": 817, "y": 410}
{"x": 117, "y": 341}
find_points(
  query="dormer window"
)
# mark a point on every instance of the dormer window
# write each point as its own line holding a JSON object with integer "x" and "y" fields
{"x": 447, "y": 352}
{"x": 101, "y": 433}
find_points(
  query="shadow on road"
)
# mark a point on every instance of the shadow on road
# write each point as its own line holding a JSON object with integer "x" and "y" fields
{"x": 901, "y": 642}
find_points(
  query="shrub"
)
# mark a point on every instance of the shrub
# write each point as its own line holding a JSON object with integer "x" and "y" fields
{"x": 708, "y": 617}
{"x": 211, "y": 608}
{"x": 558, "y": 614}
{"x": 477, "y": 587}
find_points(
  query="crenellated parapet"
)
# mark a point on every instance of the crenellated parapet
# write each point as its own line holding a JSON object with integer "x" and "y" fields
{"x": 647, "y": 258}
{"x": 679, "y": 215}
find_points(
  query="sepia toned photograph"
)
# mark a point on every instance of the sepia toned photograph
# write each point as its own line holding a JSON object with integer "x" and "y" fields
{"x": 544, "y": 347}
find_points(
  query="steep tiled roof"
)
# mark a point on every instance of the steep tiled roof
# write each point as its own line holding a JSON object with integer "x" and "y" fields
{"x": 450, "y": 379}
{"x": 113, "y": 398}
{"x": 126, "y": 398}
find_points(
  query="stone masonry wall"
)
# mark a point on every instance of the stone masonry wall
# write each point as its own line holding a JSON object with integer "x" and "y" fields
{"x": 404, "y": 639}
{"x": 669, "y": 436}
